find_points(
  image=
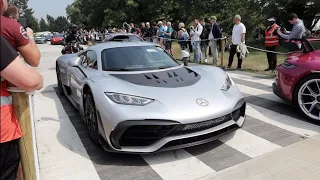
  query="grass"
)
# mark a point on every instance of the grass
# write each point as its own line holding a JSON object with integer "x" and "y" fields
{"x": 255, "y": 62}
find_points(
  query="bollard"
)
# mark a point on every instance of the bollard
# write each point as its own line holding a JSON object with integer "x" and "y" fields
{"x": 222, "y": 50}
{"x": 20, "y": 102}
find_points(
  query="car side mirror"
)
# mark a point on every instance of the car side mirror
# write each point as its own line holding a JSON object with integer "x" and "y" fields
{"x": 75, "y": 62}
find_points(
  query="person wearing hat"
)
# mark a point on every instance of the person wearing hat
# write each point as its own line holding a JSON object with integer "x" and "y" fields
{"x": 238, "y": 37}
{"x": 271, "y": 43}
{"x": 214, "y": 33}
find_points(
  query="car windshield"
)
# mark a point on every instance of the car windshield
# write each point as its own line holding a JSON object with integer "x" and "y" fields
{"x": 136, "y": 58}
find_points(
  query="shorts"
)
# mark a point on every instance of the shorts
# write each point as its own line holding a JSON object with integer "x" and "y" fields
{"x": 9, "y": 160}
{"x": 168, "y": 45}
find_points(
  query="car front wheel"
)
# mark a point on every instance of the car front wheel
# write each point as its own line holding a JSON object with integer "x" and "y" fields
{"x": 60, "y": 86}
{"x": 307, "y": 96}
{"x": 91, "y": 117}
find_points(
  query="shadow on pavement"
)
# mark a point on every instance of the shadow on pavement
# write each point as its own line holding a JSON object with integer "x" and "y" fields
{"x": 108, "y": 165}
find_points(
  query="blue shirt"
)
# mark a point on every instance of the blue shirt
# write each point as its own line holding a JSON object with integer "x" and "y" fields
{"x": 161, "y": 30}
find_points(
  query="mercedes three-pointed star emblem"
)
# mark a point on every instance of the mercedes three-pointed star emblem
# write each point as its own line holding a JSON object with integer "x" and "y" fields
{"x": 202, "y": 102}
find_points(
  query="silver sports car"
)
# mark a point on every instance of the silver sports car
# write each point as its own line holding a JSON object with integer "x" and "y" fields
{"x": 135, "y": 98}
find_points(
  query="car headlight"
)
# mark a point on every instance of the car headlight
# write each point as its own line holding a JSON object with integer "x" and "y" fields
{"x": 128, "y": 99}
{"x": 227, "y": 84}
{"x": 288, "y": 65}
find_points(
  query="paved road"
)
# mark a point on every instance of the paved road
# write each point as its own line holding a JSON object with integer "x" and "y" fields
{"x": 268, "y": 146}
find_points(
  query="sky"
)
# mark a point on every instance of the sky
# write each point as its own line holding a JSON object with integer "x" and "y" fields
{"x": 54, "y": 8}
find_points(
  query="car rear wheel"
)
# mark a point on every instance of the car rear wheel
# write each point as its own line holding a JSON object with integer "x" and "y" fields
{"x": 60, "y": 86}
{"x": 91, "y": 117}
{"x": 307, "y": 96}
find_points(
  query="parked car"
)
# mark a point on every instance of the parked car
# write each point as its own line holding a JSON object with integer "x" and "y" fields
{"x": 298, "y": 79}
{"x": 134, "y": 97}
{"x": 40, "y": 39}
{"x": 48, "y": 37}
{"x": 122, "y": 37}
{"x": 57, "y": 39}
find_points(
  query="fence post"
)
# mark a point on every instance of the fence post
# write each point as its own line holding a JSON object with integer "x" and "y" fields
{"x": 20, "y": 102}
{"x": 222, "y": 50}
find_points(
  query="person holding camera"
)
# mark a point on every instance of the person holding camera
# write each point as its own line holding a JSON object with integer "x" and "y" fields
{"x": 20, "y": 38}
{"x": 271, "y": 43}
{"x": 298, "y": 29}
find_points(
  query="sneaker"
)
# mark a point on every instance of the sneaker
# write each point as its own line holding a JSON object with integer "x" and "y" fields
{"x": 206, "y": 60}
{"x": 267, "y": 69}
{"x": 239, "y": 68}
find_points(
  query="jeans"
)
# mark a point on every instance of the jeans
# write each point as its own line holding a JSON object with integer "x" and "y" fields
{"x": 196, "y": 50}
{"x": 204, "y": 50}
{"x": 233, "y": 51}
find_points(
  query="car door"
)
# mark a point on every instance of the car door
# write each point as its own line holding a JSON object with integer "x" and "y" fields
{"x": 88, "y": 68}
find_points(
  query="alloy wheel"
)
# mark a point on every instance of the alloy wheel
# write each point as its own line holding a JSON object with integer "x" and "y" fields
{"x": 309, "y": 98}
{"x": 91, "y": 118}
{"x": 60, "y": 86}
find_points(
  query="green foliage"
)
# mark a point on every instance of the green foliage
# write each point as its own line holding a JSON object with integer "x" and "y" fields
{"x": 56, "y": 24}
{"x": 254, "y": 12}
{"x": 43, "y": 25}
{"x": 32, "y": 22}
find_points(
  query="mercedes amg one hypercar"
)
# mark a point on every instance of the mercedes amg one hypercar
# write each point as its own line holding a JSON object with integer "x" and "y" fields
{"x": 136, "y": 98}
{"x": 298, "y": 79}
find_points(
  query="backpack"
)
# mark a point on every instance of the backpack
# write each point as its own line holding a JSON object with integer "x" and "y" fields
{"x": 205, "y": 33}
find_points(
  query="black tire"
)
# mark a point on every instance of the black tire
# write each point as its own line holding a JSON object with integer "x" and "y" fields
{"x": 60, "y": 86}
{"x": 91, "y": 117}
{"x": 296, "y": 94}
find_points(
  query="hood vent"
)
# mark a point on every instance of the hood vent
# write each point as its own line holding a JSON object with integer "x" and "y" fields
{"x": 180, "y": 77}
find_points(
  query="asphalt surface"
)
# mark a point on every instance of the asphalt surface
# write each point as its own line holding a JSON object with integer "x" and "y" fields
{"x": 66, "y": 151}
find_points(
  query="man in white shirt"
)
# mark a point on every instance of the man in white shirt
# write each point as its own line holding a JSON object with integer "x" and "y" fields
{"x": 238, "y": 37}
{"x": 196, "y": 40}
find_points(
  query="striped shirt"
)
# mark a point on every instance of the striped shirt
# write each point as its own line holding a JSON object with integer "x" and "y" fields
{"x": 297, "y": 32}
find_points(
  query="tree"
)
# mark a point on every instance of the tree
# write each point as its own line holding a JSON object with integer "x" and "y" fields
{"x": 51, "y": 23}
{"x": 60, "y": 23}
{"x": 97, "y": 13}
{"x": 74, "y": 14}
{"x": 43, "y": 25}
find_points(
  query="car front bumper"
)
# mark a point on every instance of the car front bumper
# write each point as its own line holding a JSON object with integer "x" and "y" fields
{"x": 149, "y": 136}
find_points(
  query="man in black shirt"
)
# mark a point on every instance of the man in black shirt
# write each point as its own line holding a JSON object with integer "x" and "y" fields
{"x": 148, "y": 32}
{"x": 214, "y": 33}
{"x": 154, "y": 32}
{"x": 204, "y": 44}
